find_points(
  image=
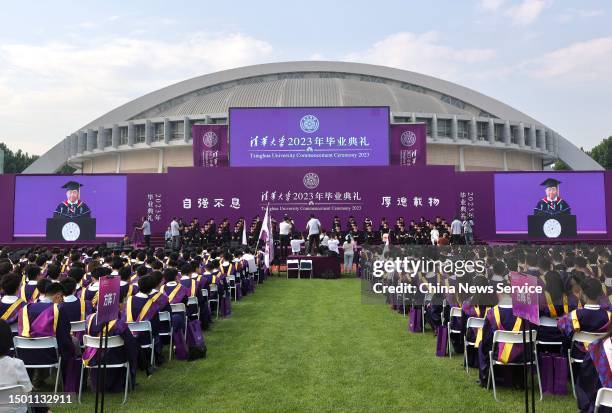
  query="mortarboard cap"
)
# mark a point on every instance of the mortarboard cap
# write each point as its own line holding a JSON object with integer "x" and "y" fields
{"x": 550, "y": 182}
{"x": 72, "y": 185}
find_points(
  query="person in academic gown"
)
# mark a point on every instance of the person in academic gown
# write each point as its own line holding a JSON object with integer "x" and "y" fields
{"x": 501, "y": 317}
{"x": 72, "y": 207}
{"x": 552, "y": 204}
{"x": 591, "y": 318}
{"x": 28, "y": 290}
{"x": 595, "y": 373}
{"x": 142, "y": 307}
{"x": 10, "y": 304}
{"x": 115, "y": 378}
{"x": 553, "y": 303}
{"x": 476, "y": 306}
{"x": 43, "y": 319}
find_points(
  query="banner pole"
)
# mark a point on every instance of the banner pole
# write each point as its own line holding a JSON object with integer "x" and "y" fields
{"x": 531, "y": 358}
{"x": 98, "y": 364}
{"x": 525, "y": 368}
{"x": 104, "y": 360}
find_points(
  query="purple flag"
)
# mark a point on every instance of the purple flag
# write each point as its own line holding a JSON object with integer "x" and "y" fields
{"x": 108, "y": 302}
{"x": 525, "y": 301}
{"x": 209, "y": 145}
{"x": 408, "y": 144}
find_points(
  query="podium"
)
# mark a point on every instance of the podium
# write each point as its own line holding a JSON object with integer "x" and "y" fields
{"x": 551, "y": 226}
{"x": 71, "y": 229}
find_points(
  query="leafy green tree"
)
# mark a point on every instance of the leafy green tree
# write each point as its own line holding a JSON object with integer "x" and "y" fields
{"x": 16, "y": 162}
{"x": 602, "y": 153}
{"x": 560, "y": 166}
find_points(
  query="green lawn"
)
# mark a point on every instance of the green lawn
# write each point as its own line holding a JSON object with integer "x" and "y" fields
{"x": 311, "y": 345}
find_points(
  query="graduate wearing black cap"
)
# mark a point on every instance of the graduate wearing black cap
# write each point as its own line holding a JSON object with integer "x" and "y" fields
{"x": 72, "y": 207}
{"x": 552, "y": 204}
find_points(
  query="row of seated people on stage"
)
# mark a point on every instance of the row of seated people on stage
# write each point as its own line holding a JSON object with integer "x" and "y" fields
{"x": 423, "y": 231}
{"x": 577, "y": 296}
{"x": 44, "y": 293}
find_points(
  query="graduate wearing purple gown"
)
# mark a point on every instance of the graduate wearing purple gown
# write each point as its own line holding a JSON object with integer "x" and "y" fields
{"x": 143, "y": 307}
{"x": 195, "y": 282}
{"x": 500, "y": 317}
{"x": 553, "y": 303}
{"x": 591, "y": 318}
{"x": 476, "y": 306}
{"x": 43, "y": 319}
{"x": 115, "y": 378}
{"x": 10, "y": 304}
{"x": 595, "y": 373}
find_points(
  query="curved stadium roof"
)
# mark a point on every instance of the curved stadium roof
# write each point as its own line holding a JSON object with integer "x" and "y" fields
{"x": 311, "y": 83}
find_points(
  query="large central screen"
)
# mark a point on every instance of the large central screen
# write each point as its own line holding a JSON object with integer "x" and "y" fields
{"x": 346, "y": 136}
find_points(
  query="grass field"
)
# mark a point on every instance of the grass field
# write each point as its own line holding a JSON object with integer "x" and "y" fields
{"x": 311, "y": 345}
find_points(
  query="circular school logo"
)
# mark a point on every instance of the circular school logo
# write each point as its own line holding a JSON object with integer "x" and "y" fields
{"x": 210, "y": 139}
{"x": 309, "y": 123}
{"x": 408, "y": 138}
{"x": 311, "y": 180}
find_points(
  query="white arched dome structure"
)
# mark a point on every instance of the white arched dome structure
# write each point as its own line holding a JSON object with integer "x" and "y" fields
{"x": 464, "y": 128}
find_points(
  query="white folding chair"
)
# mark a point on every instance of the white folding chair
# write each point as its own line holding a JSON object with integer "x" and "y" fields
{"x": 113, "y": 342}
{"x": 5, "y": 397}
{"x": 137, "y": 327}
{"x": 78, "y": 326}
{"x": 604, "y": 398}
{"x": 205, "y": 295}
{"x": 40, "y": 343}
{"x": 305, "y": 265}
{"x": 231, "y": 282}
{"x": 165, "y": 317}
{"x": 293, "y": 265}
{"x": 549, "y": 322}
{"x": 514, "y": 338}
{"x": 475, "y": 323}
{"x": 180, "y": 308}
{"x": 455, "y": 312}
{"x": 15, "y": 331}
{"x": 214, "y": 298}
{"x": 194, "y": 301}
{"x": 586, "y": 339}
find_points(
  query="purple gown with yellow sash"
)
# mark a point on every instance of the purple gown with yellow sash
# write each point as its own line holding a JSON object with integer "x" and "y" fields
{"x": 473, "y": 335}
{"x": 115, "y": 378}
{"x": 594, "y": 374}
{"x": 500, "y": 318}
{"x": 29, "y": 292}
{"x": 582, "y": 319}
{"x": 10, "y": 312}
{"x": 145, "y": 309}
{"x": 42, "y": 319}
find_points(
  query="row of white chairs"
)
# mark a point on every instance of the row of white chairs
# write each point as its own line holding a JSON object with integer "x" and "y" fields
{"x": 299, "y": 266}
{"x": 512, "y": 337}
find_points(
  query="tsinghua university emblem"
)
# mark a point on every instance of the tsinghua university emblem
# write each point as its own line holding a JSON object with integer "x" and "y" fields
{"x": 210, "y": 139}
{"x": 408, "y": 138}
{"x": 309, "y": 123}
{"x": 311, "y": 180}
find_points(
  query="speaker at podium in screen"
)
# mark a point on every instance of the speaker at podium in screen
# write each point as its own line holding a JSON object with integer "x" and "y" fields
{"x": 72, "y": 219}
{"x": 552, "y": 216}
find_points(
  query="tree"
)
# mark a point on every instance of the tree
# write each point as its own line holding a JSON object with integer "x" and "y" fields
{"x": 602, "y": 153}
{"x": 16, "y": 162}
{"x": 560, "y": 166}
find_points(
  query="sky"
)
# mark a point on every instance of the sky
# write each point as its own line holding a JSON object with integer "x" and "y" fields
{"x": 65, "y": 63}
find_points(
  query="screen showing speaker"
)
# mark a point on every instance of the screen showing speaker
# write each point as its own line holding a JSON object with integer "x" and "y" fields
{"x": 550, "y": 204}
{"x": 70, "y": 208}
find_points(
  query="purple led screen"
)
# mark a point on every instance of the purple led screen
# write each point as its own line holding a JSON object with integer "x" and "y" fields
{"x": 36, "y": 197}
{"x": 355, "y": 136}
{"x": 516, "y": 195}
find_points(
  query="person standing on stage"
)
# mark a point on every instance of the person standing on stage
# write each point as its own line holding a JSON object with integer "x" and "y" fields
{"x": 146, "y": 231}
{"x": 314, "y": 228}
{"x": 284, "y": 229}
{"x": 456, "y": 231}
{"x": 468, "y": 231}
{"x": 176, "y": 234}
